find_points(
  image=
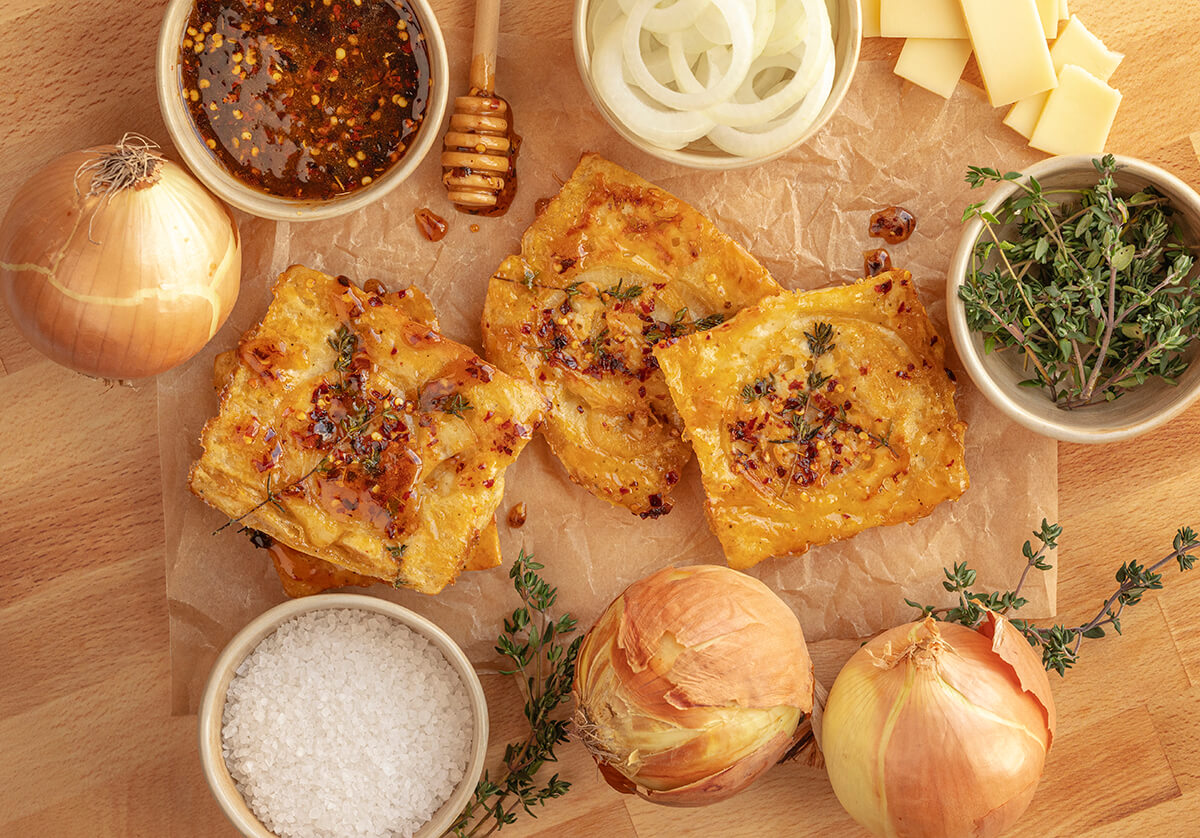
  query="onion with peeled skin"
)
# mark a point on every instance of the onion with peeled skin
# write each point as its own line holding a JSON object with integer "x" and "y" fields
{"x": 117, "y": 263}
{"x": 691, "y": 685}
{"x": 935, "y": 730}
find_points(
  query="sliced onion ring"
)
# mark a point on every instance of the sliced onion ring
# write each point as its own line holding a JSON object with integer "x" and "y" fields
{"x": 785, "y": 131}
{"x": 679, "y": 15}
{"x": 752, "y": 75}
{"x": 738, "y": 20}
{"x": 660, "y": 126}
{"x": 658, "y": 60}
{"x": 817, "y": 52}
{"x": 764, "y": 24}
{"x": 791, "y": 25}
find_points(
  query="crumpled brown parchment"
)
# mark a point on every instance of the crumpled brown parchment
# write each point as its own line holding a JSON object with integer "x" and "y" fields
{"x": 805, "y": 217}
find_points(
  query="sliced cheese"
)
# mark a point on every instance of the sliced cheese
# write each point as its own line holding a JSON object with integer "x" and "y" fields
{"x": 1076, "y": 45}
{"x": 1078, "y": 115}
{"x": 921, "y": 19}
{"x": 870, "y": 17}
{"x": 1064, "y": 10}
{"x": 935, "y": 64}
{"x": 1010, "y": 47}
{"x": 1048, "y": 14}
{"x": 1023, "y": 116}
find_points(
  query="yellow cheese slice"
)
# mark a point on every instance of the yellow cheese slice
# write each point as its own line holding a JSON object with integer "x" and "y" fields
{"x": 935, "y": 64}
{"x": 870, "y": 17}
{"x": 1064, "y": 10}
{"x": 1048, "y": 14}
{"x": 1076, "y": 45}
{"x": 1010, "y": 47}
{"x": 921, "y": 19}
{"x": 1023, "y": 116}
{"x": 1078, "y": 115}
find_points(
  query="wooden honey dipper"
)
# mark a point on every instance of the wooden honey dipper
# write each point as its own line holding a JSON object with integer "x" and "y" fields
{"x": 480, "y": 152}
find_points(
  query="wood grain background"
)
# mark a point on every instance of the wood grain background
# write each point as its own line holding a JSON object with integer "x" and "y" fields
{"x": 87, "y": 745}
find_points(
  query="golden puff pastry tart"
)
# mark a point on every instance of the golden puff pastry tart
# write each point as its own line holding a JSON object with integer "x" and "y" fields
{"x": 611, "y": 266}
{"x": 350, "y": 430}
{"x": 816, "y": 415}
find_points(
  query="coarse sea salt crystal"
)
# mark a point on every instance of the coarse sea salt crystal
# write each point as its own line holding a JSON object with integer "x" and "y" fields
{"x": 346, "y": 723}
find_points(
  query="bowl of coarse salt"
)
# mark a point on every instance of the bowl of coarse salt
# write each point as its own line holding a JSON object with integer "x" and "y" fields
{"x": 339, "y": 715}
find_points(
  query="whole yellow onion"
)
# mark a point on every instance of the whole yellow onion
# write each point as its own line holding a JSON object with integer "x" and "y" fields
{"x": 116, "y": 262}
{"x": 691, "y": 685}
{"x": 936, "y": 730}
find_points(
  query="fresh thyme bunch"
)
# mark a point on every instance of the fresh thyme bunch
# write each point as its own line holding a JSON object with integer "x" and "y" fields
{"x": 545, "y": 668}
{"x": 1059, "y": 644}
{"x": 1095, "y": 288}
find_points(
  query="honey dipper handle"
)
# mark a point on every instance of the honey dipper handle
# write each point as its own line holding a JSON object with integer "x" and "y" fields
{"x": 483, "y": 55}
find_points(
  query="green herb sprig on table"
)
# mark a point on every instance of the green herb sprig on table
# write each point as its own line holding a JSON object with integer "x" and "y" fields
{"x": 1059, "y": 644}
{"x": 544, "y": 664}
{"x": 1095, "y": 288}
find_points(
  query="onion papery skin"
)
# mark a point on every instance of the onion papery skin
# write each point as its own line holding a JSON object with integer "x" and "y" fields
{"x": 691, "y": 685}
{"x": 935, "y": 730}
{"x": 121, "y": 286}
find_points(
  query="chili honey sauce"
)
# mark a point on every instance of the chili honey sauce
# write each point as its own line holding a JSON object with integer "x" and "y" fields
{"x": 305, "y": 99}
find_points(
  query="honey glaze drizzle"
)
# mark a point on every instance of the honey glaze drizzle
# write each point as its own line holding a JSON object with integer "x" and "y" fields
{"x": 304, "y": 575}
{"x": 876, "y": 262}
{"x": 370, "y": 470}
{"x": 893, "y": 224}
{"x": 432, "y": 226}
{"x": 796, "y": 427}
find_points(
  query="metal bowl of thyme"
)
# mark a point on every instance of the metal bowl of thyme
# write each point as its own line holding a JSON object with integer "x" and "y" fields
{"x": 1074, "y": 296}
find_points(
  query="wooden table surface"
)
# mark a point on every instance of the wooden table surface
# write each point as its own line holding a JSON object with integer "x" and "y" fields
{"x": 87, "y": 744}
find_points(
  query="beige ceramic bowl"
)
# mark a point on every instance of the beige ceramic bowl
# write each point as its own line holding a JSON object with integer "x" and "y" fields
{"x": 846, "y": 16}
{"x": 997, "y": 375}
{"x": 256, "y": 202}
{"x": 212, "y": 705}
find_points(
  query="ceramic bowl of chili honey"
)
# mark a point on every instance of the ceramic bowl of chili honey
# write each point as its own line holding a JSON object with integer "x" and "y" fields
{"x": 302, "y": 109}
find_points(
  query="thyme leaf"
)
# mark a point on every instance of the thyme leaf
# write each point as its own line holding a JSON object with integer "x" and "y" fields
{"x": 820, "y": 340}
{"x": 455, "y": 404}
{"x": 622, "y": 292}
{"x": 344, "y": 343}
{"x": 759, "y": 388}
{"x": 680, "y": 326}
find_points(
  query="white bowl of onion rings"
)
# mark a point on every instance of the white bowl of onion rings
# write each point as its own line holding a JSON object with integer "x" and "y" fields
{"x": 717, "y": 84}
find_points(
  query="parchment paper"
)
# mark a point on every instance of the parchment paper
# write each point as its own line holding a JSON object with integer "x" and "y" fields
{"x": 805, "y": 217}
